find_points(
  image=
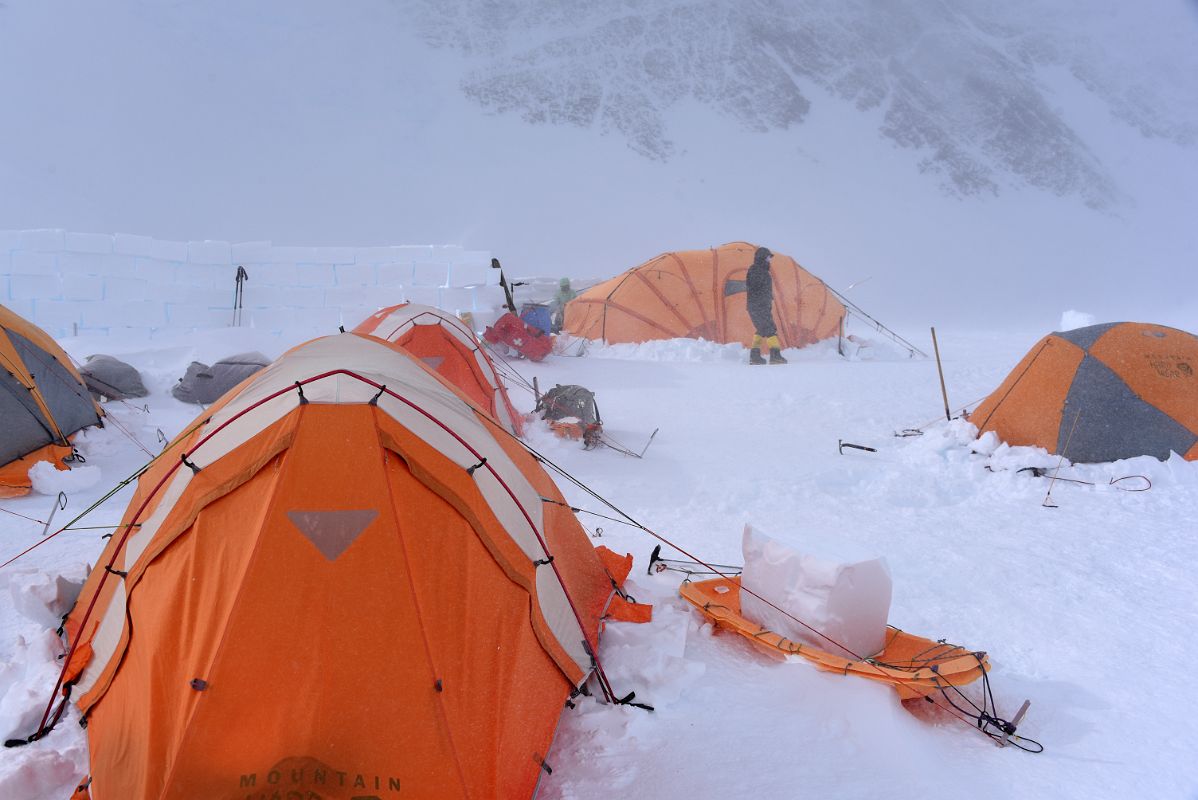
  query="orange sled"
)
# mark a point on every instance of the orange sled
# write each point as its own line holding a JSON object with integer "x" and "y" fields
{"x": 916, "y": 667}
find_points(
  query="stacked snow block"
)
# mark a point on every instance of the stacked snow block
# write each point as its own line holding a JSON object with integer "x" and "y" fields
{"x": 73, "y": 283}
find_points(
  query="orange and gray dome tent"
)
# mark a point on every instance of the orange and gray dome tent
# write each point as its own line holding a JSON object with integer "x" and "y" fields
{"x": 43, "y": 402}
{"x": 449, "y": 348}
{"x": 700, "y": 294}
{"x": 342, "y": 580}
{"x": 1101, "y": 393}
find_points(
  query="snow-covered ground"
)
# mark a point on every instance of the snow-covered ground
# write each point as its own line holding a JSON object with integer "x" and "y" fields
{"x": 1085, "y": 609}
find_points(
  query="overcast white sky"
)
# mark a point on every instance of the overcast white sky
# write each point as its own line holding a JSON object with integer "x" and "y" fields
{"x": 318, "y": 123}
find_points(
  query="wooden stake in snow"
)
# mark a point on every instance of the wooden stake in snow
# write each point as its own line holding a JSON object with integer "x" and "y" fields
{"x": 943, "y": 391}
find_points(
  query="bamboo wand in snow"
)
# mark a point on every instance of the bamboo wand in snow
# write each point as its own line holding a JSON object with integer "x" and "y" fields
{"x": 943, "y": 391}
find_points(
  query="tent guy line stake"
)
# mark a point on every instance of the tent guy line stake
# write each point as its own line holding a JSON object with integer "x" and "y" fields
{"x": 842, "y": 444}
{"x": 948, "y": 415}
{"x": 1047, "y": 503}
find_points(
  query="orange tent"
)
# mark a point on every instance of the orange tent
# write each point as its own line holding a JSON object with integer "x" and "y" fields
{"x": 340, "y": 581}
{"x": 449, "y": 348}
{"x": 1101, "y": 393}
{"x": 700, "y": 294}
{"x": 43, "y": 402}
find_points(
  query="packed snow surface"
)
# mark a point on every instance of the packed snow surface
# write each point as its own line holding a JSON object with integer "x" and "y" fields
{"x": 1085, "y": 608}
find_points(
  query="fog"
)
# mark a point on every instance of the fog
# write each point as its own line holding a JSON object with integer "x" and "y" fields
{"x": 983, "y": 163}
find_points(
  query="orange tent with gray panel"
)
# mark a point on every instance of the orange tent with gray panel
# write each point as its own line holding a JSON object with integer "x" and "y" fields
{"x": 1101, "y": 393}
{"x": 449, "y": 348}
{"x": 340, "y": 581}
{"x": 43, "y": 402}
{"x": 701, "y": 294}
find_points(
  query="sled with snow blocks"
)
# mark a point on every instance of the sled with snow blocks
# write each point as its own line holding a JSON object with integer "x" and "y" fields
{"x": 916, "y": 667}
{"x": 527, "y": 340}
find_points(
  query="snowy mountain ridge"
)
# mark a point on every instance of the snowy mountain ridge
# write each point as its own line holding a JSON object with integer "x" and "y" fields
{"x": 957, "y": 84}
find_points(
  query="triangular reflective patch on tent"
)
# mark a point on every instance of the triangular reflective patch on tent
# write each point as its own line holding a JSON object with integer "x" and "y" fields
{"x": 433, "y": 362}
{"x": 332, "y": 531}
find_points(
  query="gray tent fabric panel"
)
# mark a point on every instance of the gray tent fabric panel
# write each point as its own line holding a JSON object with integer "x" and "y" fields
{"x": 1086, "y": 337}
{"x": 203, "y": 384}
{"x": 68, "y": 400}
{"x": 1114, "y": 422}
{"x": 23, "y": 429}
{"x": 112, "y": 378}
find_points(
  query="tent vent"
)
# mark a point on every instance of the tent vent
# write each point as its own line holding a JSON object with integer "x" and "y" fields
{"x": 438, "y": 686}
{"x": 199, "y": 684}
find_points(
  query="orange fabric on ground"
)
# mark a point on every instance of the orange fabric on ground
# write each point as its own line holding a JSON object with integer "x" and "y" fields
{"x": 699, "y": 294}
{"x": 14, "y": 476}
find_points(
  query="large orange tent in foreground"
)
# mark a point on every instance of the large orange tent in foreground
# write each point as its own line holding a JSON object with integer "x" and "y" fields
{"x": 43, "y": 402}
{"x": 449, "y": 348}
{"x": 700, "y": 294}
{"x": 340, "y": 581}
{"x": 1101, "y": 393}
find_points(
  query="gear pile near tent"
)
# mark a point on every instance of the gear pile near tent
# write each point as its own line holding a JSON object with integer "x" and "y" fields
{"x": 449, "y": 348}
{"x": 355, "y": 573}
{"x": 109, "y": 378}
{"x": 202, "y": 384}
{"x": 1101, "y": 393}
{"x": 701, "y": 294}
{"x": 43, "y": 402}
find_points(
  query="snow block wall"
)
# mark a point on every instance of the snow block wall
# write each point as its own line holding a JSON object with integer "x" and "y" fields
{"x": 85, "y": 283}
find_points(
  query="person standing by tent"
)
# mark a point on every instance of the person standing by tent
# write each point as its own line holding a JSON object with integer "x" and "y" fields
{"x": 760, "y": 286}
{"x": 564, "y": 295}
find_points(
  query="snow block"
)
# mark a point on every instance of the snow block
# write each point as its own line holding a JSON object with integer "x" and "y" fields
{"x": 371, "y": 296}
{"x": 30, "y": 263}
{"x": 34, "y": 287}
{"x": 192, "y": 295}
{"x": 446, "y": 253}
{"x": 164, "y": 250}
{"x": 279, "y": 296}
{"x": 332, "y": 255}
{"x": 352, "y": 316}
{"x": 84, "y": 288}
{"x": 251, "y": 252}
{"x": 130, "y": 245}
{"x": 96, "y": 264}
{"x": 209, "y": 252}
{"x": 320, "y": 321}
{"x": 122, "y": 314}
{"x": 184, "y": 315}
{"x": 846, "y": 596}
{"x": 121, "y": 289}
{"x": 355, "y": 274}
{"x": 89, "y": 242}
{"x": 154, "y": 272}
{"x": 9, "y": 241}
{"x": 464, "y": 274}
{"x": 57, "y": 315}
{"x": 376, "y": 255}
{"x": 22, "y": 307}
{"x": 207, "y": 276}
{"x": 457, "y": 300}
{"x": 43, "y": 240}
{"x": 272, "y": 274}
{"x": 425, "y": 295}
{"x": 395, "y": 274}
{"x": 414, "y": 252}
{"x": 429, "y": 273}
{"x": 489, "y": 297}
{"x": 314, "y": 275}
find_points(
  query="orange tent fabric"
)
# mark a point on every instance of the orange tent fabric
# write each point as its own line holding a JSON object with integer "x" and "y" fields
{"x": 43, "y": 402}
{"x": 449, "y": 348}
{"x": 335, "y": 590}
{"x": 699, "y": 294}
{"x": 1101, "y": 393}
